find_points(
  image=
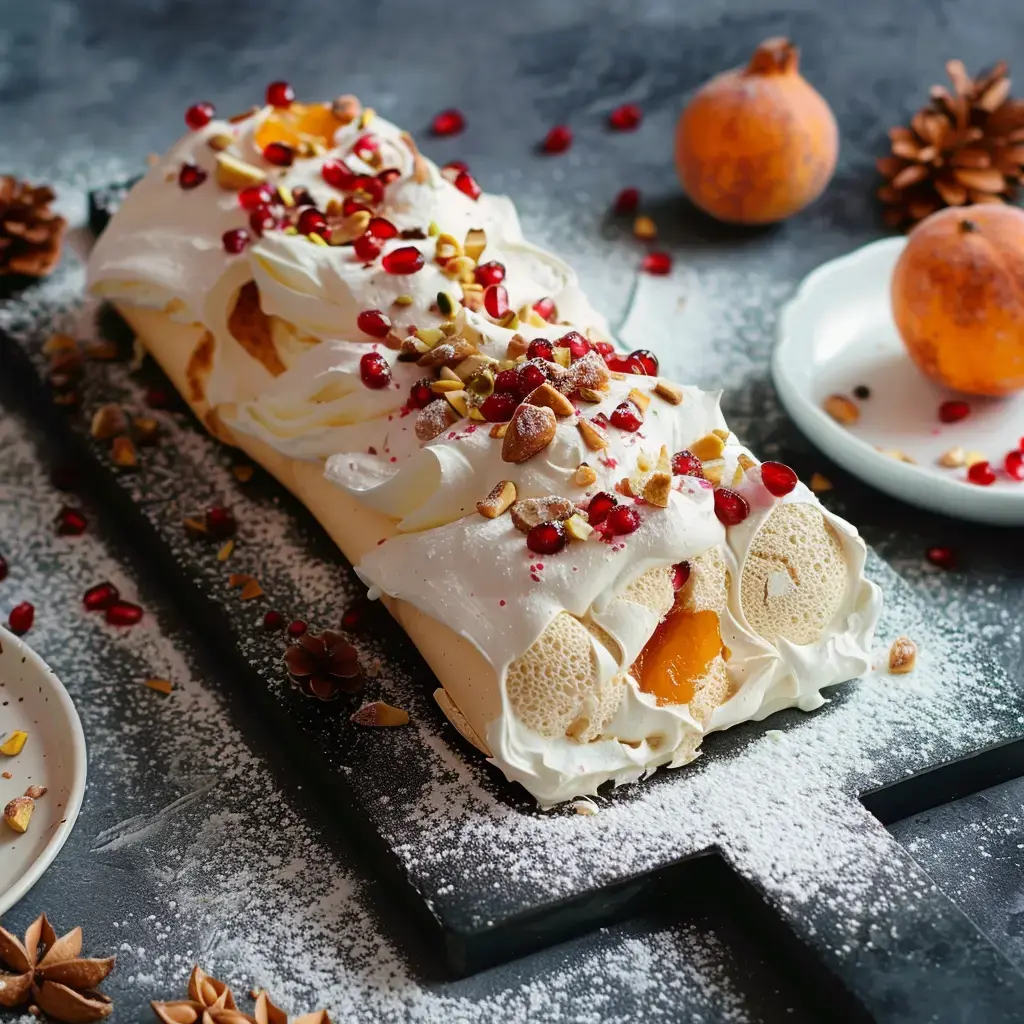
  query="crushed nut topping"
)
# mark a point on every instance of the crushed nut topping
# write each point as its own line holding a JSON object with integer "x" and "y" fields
{"x": 585, "y": 475}
{"x": 434, "y": 419}
{"x": 593, "y": 437}
{"x": 530, "y": 431}
{"x": 530, "y": 512}
{"x": 841, "y": 409}
{"x": 501, "y": 497}
{"x": 546, "y": 396}
{"x": 380, "y": 714}
{"x": 708, "y": 447}
{"x": 902, "y": 656}
{"x": 672, "y": 393}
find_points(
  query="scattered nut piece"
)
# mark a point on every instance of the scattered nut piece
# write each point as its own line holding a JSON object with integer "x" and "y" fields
{"x": 672, "y": 393}
{"x": 658, "y": 488}
{"x": 499, "y": 429}
{"x": 220, "y": 141}
{"x": 242, "y": 472}
{"x": 160, "y": 685}
{"x": 972, "y": 457}
{"x": 441, "y": 387}
{"x": 517, "y": 347}
{"x": 6, "y": 775}
{"x": 530, "y": 512}
{"x": 35, "y": 792}
{"x": 225, "y": 551}
{"x": 14, "y": 744}
{"x": 503, "y": 493}
{"x": 531, "y": 429}
{"x": 841, "y": 409}
{"x": 895, "y": 453}
{"x": 577, "y": 527}
{"x": 101, "y": 351}
{"x": 590, "y": 395}
{"x": 251, "y": 590}
{"x": 820, "y": 484}
{"x": 955, "y": 458}
{"x": 645, "y": 228}
{"x": 146, "y": 429}
{"x": 238, "y": 579}
{"x": 902, "y": 656}
{"x": 746, "y": 463}
{"x": 236, "y": 174}
{"x": 108, "y": 421}
{"x": 585, "y": 807}
{"x": 433, "y": 420}
{"x": 593, "y": 437}
{"x": 708, "y": 447}
{"x": 585, "y": 474}
{"x": 124, "y": 453}
{"x": 476, "y": 242}
{"x": 641, "y": 399}
{"x": 714, "y": 471}
{"x": 722, "y": 433}
{"x": 346, "y": 108}
{"x": 18, "y": 813}
{"x": 546, "y": 396}
{"x": 195, "y": 527}
{"x": 378, "y": 713}
{"x": 59, "y": 343}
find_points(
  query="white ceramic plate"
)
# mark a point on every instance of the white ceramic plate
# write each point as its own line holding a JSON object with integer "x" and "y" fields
{"x": 837, "y": 332}
{"x": 32, "y": 699}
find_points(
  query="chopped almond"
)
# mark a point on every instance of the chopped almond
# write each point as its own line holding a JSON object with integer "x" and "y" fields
{"x": 18, "y": 813}
{"x": 841, "y": 409}
{"x": 708, "y": 448}
{"x": 498, "y": 501}
{"x": 641, "y": 399}
{"x": 547, "y": 396}
{"x": 585, "y": 474}
{"x": 380, "y": 714}
{"x": 124, "y": 453}
{"x": 577, "y": 527}
{"x": 160, "y": 685}
{"x": 592, "y": 436}
{"x": 531, "y": 429}
{"x": 658, "y": 488}
{"x": 902, "y": 656}
{"x": 955, "y": 458}
{"x": 672, "y": 393}
{"x": 820, "y": 484}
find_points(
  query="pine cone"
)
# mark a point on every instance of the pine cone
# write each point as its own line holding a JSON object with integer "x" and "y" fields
{"x": 30, "y": 232}
{"x": 964, "y": 147}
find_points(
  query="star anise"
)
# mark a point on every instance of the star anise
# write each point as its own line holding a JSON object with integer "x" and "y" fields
{"x": 30, "y": 232}
{"x": 211, "y": 1002}
{"x": 50, "y": 973}
{"x": 323, "y": 665}
{"x": 964, "y": 147}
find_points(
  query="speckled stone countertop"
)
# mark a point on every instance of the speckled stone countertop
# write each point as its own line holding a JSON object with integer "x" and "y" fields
{"x": 86, "y": 90}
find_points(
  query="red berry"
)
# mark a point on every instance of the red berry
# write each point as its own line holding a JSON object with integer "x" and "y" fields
{"x": 448, "y": 122}
{"x": 312, "y": 222}
{"x": 100, "y": 597}
{"x": 529, "y": 376}
{"x": 685, "y": 463}
{"x": 374, "y": 370}
{"x": 296, "y": 628}
{"x": 617, "y": 363}
{"x": 280, "y": 154}
{"x": 944, "y": 558}
{"x": 623, "y": 519}
{"x": 190, "y": 176}
{"x": 280, "y": 94}
{"x": 338, "y": 175}
{"x": 365, "y": 146}
{"x": 604, "y": 348}
{"x": 273, "y": 621}
{"x": 71, "y": 522}
{"x": 262, "y": 220}
{"x": 220, "y": 522}
{"x": 558, "y": 140}
{"x": 381, "y": 227}
{"x": 541, "y": 348}
{"x": 643, "y": 361}
{"x": 626, "y": 201}
{"x": 466, "y": 184}
{"x": 577, "y": 345}
{"x": 600, "y": 505}
{"x": 405, "y": 260}
{"x": 235, "y": 241}
{"x": 981, "y": 474}
{"x": 490, "y": 273}
{"x": 626, "y": 416}
{"x": 420, "y": 394}
{"x": 659, "y": 263}
{"x": 374, "y": 323}
{"x": 546, "y": 538}
{"x": 350, "y": 206}
{"x": 499, "y": 407}
{"x": 199, "y": 115}
{"x": 496, "y": 301}
{"x": 777, "y": 478}
{"x": 954, "y": 411}
{"x": 625, "y": 118}
{"x": 730, "y": 507}
{"x": 352, "y": 618}
{"x": 367, "y": 247}
{"x": 4, "y": 569}
{"x": 1014, "y": 464}
{"x": 21, "y": 617}
{"x": 388, "y": 175}
{"x": 122, "y": 613}
{"x": 369, "y": 187}
{"x": 680, "y": 575}
{"x": 507, "y": 380}
{"x": 545, "y": 308}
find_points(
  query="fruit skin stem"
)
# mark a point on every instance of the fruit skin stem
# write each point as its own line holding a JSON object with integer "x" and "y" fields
{"x": 775, "y": 56}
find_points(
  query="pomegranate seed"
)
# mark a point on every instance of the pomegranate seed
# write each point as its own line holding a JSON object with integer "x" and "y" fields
{"x": 420, "y": 395}
{"x": 370, "y": 187}
{"x": 220, "y": 522}
{"x": 626, "y": 416}
{"x": 448, "y": 122}
{"x": 374, "y": 323}
{"x": 280, "y": 94}
{"x": 388, "y": 175}
{"x": 71, "y": 522}
{"x": 296, "y": 628}
{"x": 496, "y": 301}
{"x": 1014, "y": 464}
{"x": 954, "y": 411}
{"x": 529, "y": 376}
{"x": 487, "y": 274}
{"x": 944, "y": 558}
{"x": 100, "y": 597}
{"x": 352, "y": 619}
{"x": 199, "y": 115}
{"x": 235, "y": 241}
{"x": 190, "y": 176}
{"x": 506, "y": 380}
{"x": 365, "y": 146}
{"x": 21, "y": 618}
{"x": 338, "y": 175}
{"x": 600, "y": 505}
{"x": 680, "y": 575}
{"x": 730, "y": 507}
{"x": 157, "y": 398}
{"x": 381, "y": 227}
{"x": 625, "y": 118}
{"x": 122, "y": 613}
{"x": 623, "y": 519}
{"x": 454, "y": 168}
{"x": 643, "y": 361}
{"x": 466, "y": 184}
{"x": 4, "y": 568}
{"x": 312, "y": 222}
{"x": 546, "y": 538}
{"x": 374, "y": 371}
{"x": 405, "y": 260}
{"x": 273, "y": 621}
{"x": 685, "y": 463}
{"x": 367, "y": 247}
{"x": 659, "y": 263}
{"x": 604, "y": 348}
{"x": 558, "y": 140}
{"x": 626, "y": 201}
{"x": 350, "y": 206}
{"x": 499, "y": 407}
{"x": 279, "y": 154}
{"x": 302, "y": 196}
{"x": 577, "y": 345}
{"x": 981, "y": 474}
{"x": 541, "y": 348}
{"x": 255, "y": 196}
{"x": 262, "y": 220}
{"x": 617, "y": 363}
{"x": 778, "y": 479}
{"x": 545, "y": 308}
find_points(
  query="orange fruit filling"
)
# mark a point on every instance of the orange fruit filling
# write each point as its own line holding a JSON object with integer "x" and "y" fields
{"x": 678, "y": 655}
{"x": 301, "y": 122}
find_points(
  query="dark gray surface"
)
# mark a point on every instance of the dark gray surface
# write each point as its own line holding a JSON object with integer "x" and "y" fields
{"x": 87, "y": 89}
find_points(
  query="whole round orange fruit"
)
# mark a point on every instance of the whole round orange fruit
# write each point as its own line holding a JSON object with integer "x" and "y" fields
{"x": 757, "y": 144}
{"x": 958, "y": 298}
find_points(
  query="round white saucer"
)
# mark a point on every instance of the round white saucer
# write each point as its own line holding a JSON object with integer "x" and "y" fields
{"x": 837, "y": 333}
{"x": 33, "y": 700}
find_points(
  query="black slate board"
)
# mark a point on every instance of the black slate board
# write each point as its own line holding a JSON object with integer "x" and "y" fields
{"x": 915, "y": 957}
